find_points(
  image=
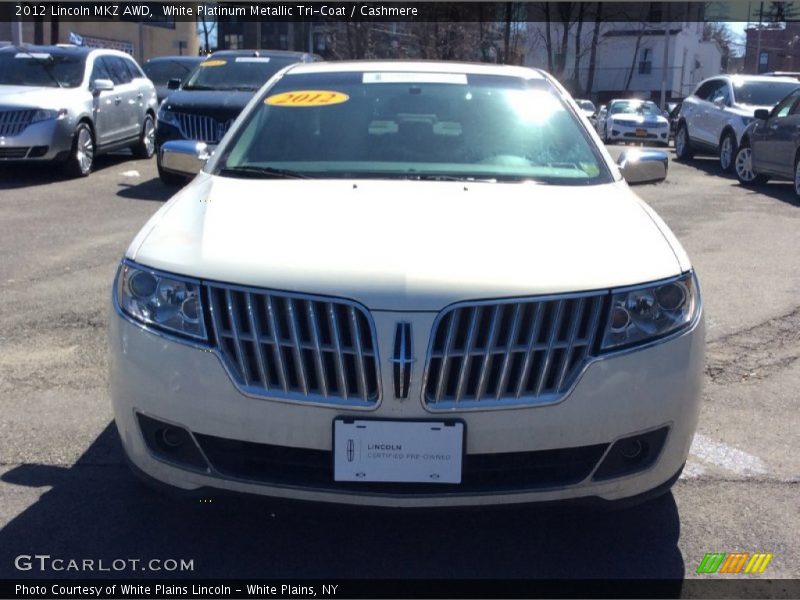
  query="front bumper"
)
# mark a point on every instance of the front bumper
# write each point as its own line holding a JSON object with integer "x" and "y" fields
{"x": 640, "y": 133}
{"x": 652, "y": 389}
{"x": 42, "y": 141}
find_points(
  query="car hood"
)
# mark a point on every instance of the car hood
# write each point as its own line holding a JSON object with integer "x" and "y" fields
{"x": 408, "y": 245}
{"x": 207, "y": 101}
{"x": 34, "y": 97}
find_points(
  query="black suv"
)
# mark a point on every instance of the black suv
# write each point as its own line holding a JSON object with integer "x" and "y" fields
{"x": 209, "y": 100}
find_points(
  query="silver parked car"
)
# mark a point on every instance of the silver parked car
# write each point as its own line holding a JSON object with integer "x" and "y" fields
{"x": 69, "y": 104}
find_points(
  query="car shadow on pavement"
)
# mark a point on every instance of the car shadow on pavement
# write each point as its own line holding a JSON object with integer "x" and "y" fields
{"x": 782, "y": 191}
{"x": 13, "y": 176}
{"x": 153, "y": 190}
{"x": 96, "y": 509}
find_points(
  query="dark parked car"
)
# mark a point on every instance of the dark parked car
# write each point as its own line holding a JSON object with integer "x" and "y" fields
{"x": 770, "y": 146}
{"x": 674, "y": 112}
{"x": 214, "y": 94}
{"x": 162, "y": 69}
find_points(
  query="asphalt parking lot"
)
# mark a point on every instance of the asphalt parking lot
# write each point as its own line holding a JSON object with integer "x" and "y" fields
{"x": 65, "y": 491}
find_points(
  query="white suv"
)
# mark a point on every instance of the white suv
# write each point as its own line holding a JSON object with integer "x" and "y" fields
{"x": 715, "y": 116}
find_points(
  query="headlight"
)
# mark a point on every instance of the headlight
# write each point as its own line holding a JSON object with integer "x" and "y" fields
{"x": 642, "y": 314}
{"x": 165, "y": 302}
{"x": 46, "y": 114}
{"x": 167, "y": 116}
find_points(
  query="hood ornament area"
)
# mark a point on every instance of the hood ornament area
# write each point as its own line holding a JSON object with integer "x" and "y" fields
{"x": 402, "y": 359}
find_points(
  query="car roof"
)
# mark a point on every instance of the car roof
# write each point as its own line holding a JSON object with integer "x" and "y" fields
{"x": 186, "y": 59}
{"x": 416, "y": 66}
{"x": 746, "y": 78}
{"x": 60, "y": 49}
{"x": 264, "y": 53}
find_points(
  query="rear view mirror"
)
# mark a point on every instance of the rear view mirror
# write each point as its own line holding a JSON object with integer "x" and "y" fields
{"x": 173, "y": 84}
{"x": 762, "y": 114}
{"x": 643, "y": 166}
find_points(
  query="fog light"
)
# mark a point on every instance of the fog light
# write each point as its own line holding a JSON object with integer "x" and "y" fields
{"x": 632, "y": 454}
{"x": 172, "y": 438}
{"x": 631, "y": 449}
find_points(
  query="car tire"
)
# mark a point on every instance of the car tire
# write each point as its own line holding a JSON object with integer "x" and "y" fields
{"x": 727, "y": 152}
{"x": 146, "y": 146}
{"x": 743, "y": 165}
{"x": 170, "y": 179}
{"x": 81, "y": 155}
{"x": 797, "y": 176}
{"x": 683, "y": 146}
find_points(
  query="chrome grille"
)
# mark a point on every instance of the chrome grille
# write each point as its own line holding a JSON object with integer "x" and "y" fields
{"x": 202, "y": 128}
{"x": 296, "y": 347}
{"x": 510, "y": 353}
{"x": 14, "y": 152}
{"x": 13, "y": 122}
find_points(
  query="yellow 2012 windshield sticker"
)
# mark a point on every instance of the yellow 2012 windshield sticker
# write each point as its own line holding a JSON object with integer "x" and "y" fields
{"x": 307, "y": 98}
{"x": 213, "y": 63}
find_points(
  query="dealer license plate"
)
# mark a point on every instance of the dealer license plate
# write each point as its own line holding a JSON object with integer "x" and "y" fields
{"x": 397, "y": 451}
{"x": 641, "y": 133}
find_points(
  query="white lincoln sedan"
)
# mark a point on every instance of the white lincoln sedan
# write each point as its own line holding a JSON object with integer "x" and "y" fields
{"x": 408, "y": 284}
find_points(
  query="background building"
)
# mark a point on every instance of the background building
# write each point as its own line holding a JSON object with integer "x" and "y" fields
{"x": 773, "y": 49}
{"x": 142, "y": 40}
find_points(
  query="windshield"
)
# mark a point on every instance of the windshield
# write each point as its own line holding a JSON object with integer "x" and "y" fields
{"x": 235, "y": 72}
{"x": 413, "y": 125}
{"x": 161, "y": 72}
{"x": 41, "y": 69}
{"x": 634, "y": 107}
{"x": 762, "y": 93}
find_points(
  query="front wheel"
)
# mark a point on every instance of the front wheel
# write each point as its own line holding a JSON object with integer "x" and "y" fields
{"x": 683, "y": 147}
{"x": 797, "y": 176}
{"x": 744, "y": 168}
{"x": 146, "y": 146}
{"x": 81, "y": 157}
{"x": 727, "y": 152}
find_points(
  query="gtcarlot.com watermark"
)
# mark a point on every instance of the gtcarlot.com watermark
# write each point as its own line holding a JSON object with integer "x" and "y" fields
{"x": 44, "y": 563}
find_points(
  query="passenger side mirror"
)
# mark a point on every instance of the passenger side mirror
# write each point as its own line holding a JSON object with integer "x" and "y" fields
{"x": 719, "y": 102}
{"x": 643, "y": 166}
{"x": 102, "y": 85}
{"x": 762, "y": 114}
{"x": 173, "y": 84}
{"x": 185, "y": 157}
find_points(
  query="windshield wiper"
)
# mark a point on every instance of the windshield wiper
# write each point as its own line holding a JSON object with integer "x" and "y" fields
{"x": 254, "y": 172}
{"x": 200, "y": 87}
{"x": 46, "y": 64}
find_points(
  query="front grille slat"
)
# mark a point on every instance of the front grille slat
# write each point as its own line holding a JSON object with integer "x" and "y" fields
{"x": 276, "y": 346}
{"x": 577, "y": 314}
{"x": 255, "y": 329}
{"x": 530, "y": 350}
{"x": 296, "y": 347}
{"x": 355, "y": 333}
{"x": 497, "y": 311}
{"x": 510, "y": 352}
{"x": 315, "y": 338}
{"x": 297, "y": 351}
{"x": 233, "y": 317}
{"x": 338, "y": 361}
{"x": 468, "y": 346}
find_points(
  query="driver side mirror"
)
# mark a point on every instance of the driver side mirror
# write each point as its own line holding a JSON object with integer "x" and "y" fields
{"x": 719, "y": 102}
{"x": 762, "y": 114}
{"x": 173, "y": 84}
{"x": 643, "y": 166}
{"x": 185, "y": 157}
{"x": 102, "y": 85}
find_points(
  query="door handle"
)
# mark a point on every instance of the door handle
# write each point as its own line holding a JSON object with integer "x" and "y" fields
{"x": 139, "y": 96}
{"x": 118, "y": 99}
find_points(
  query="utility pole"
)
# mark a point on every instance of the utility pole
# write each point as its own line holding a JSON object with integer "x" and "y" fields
{"x": 665, "y": 62}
